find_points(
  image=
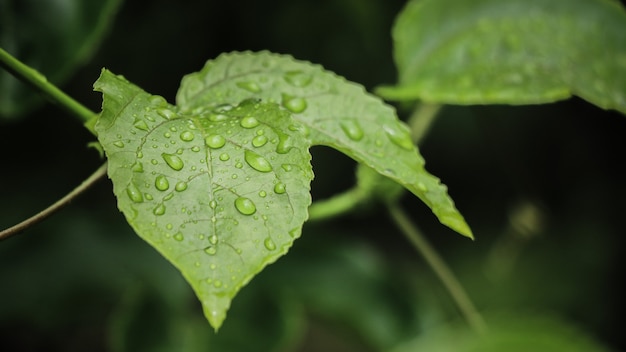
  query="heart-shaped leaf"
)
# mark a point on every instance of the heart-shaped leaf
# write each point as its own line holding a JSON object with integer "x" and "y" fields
{"x": 512, "y": 52}
{"x": 220, "y": 192}
{"x": 337, "y": 113}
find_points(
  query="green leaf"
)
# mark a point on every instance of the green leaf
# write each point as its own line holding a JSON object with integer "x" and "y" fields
{"x": 220, "y": 192}
{"x": 335, "y": 112}
{"x": 513, "y": 52}
{"x": 53, "y": 37}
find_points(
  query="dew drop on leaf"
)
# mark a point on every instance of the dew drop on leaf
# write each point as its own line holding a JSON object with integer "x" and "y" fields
{"x": 257, "y": 162}
{"x": 179, "y": 236}
{"x": 224, "y": 157}
{"x": 269, "y": 244}
{"x": 285, "y": 143}
{"x": 252, "y": 87}
{"x": 249, "y": 122}
{"x": 352, "y": 129}
{"x": 210, "y": 250}
{"x": 180, "y": 186}
{"x": 245, "y": 206}
{"x": 399, "y": 137}
{"x": 213, "y": 239}
{"x": 141, "y": 124}
{"x": 187, "y": 136}
{"x": 298, "y": 78}
{"x": 262, "y": 194}
{"x": 213, "y": 204}
{"x": 137, "y": 167}
{"x": 215, "y": 141}
{"x": 159, "y": 209}
{"x": 119, "y": 144}
{"x": 294, "y": 104}
{"x": 173, "y": 161}
{"x": 259, "y": 141}
{"x": 280, "y": 188}
{"x": 134, "y": 194}
{"x": 161, "y": 183}
{"x": 166, "y": 113}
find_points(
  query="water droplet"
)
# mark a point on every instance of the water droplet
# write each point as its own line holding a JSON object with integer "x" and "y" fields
{"x": 245, "y": 206}
{"x": 173, "y": 161}
{"x": 134, "y": 193}
{"x": 119, "y": 144}
{"x": 399, "y": 137}
{"x": 294, "y": 104}
{"x": 158, "y": 100}
{"x": 137, "y": 167}
{"x": 167, "y": 135}
{"x": 257, "y": 162}
{"x": 141, "y": 124}
{"x": 148, "y": 196}
{"x": 259, "y": 141}
{"x": 249, "y": 86}
{"x": 352, "y": 130}
{"x": 269, "y": 244}
{"x": 298, "y": 78}
{"x": 213, "y": 239}
{"x": 295, "y": 232}
{"x": 159, "y": 209}
{"x": 215, "y": 141}
{"x": 213, "y": 204}
{"x": 222, "y": 108}
{"x": 239, "y": 165}
{"x": 218, "y": 117}
{"x": 249, "y": 122}
{"x": 180, "y": 186}
{"x": 286, "y": 167}
{"x": 187, "y": 136}
{"x": 422, "y": 187}
{"x": 161, "y": 183}
{"x": 285, "y": 143}
{"x": 224, "y": 157}
{"x": 217, "y": 284}
{"x": 262, "y": 194}
{"x": 195, "y": 148}
{"x": 210, "y": 250}
{"x": 166, "y": 113}
{"x": 179, "y": 236}
{"x": 280, "y": 188}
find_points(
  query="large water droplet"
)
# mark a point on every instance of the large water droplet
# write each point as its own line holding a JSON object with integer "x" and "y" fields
{"x": 187, "y": 136}
{"x": 352, "y": 129}
{"x": 245, "y": 206}
{"x": 134, "y": 193}
{"x": 159, "y": 209}
{"x": 269, "y": 244}
{"x": 285, "y": 143}
{"x": 399, "y": 136}
{"x": 259, "y": 141}
{"x": 257, "y": 162}
{"x": 179, "y": 236}
{"x": 249, "y": 86}
{"x": 215, "y": 141}
{"x": 173, "y": 161}
{"x": 249, "y": 122}
{"x": 280, "y": 188}
{"x": 161, "y": 183}
{"x": 166, "y": 113}
{"x": 294, "y": 104}
{"x": 298, "y": 78}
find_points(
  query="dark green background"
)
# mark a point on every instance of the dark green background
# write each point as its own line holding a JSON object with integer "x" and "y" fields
{"x": 83, "y": 281}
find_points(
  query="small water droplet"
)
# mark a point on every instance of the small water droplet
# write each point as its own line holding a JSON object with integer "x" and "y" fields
{"x": 213, "y": 239}
{"x": 259, "y": 141}
{"x": 187, "y": 136}
{"x": 210, "y": 250}
{"x": 294, "y": 104}
{"x": 215, "y": 141}
{"x": 262, "y": 194}
{"x": 222, "y": 108}
{"x": 166, "y": 113}
{"x": 158, "y": 100}
{"x": 298, "y": 78}
{"x": 224, "y": 157}
{"x": 352, "y": 129}
{"x": 167, "y": 135}
{"x": 280, "y": 188}
{"x": 119, "y": 144}
{"x": 134, "y": 193}
{"x": 137, "y": 167}
{"x": 159, "y": 209}
{"x": 269, "y": 244}
{"x": 399, "y": 137}
{"x": 213, "y": 204}
{"x": 249, "y": 122}
{"x": 161, "y": 183}
{"x": 173, "y": 161}
{"x": 217, "y": 284}
{"x": 141, "y": 124}
{"x": 180, "y": 186}
{"x": 285, "y": 143}
{"x": 257, "y": 162}
{"x": 287, "y": 167}
{"x": 245, "y": 206}
{"x": 249, "y": 86}
{"x": 195, "y": 148}
{"x": 148, "y": 196}
{"x": 179, "y": 236}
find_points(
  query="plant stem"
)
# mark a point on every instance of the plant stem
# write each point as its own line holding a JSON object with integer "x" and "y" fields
{"x": 422, "y": 119}
{"x": 443, "y": 272}
{"x": 336, "y": 205}
{"x": 35, "y": 79}
{"x": 91, "y": 180}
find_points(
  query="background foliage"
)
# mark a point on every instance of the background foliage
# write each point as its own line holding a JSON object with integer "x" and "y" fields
{"x": 541, "y": 187}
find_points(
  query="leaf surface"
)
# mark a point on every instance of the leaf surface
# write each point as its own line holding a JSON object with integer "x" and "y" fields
{"x": 53, "y": 37}
{"x": 512, "y": 52}
{"x": 335, "y": 112}
{"x": 220, "y": 192}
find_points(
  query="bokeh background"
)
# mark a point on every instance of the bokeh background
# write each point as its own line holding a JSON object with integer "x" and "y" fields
{"x": 541, "y": 186}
